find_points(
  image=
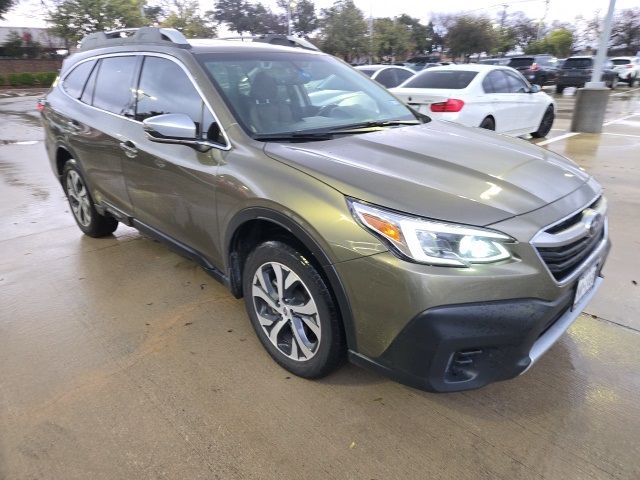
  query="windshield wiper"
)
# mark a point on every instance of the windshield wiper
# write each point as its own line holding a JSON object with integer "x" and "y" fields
{"x": 374, "y": 124}
{"x": 329, "y": 133}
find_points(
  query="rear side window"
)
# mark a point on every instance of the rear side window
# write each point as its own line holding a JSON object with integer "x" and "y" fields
{"x": 446, "y": 79}
{"x": 578, "y": 63}
{"x": 74, "y": 82}
{"x": 521, "y": 62}
{"x": 496, "y": 82}
{"x": 621, "y": 61}
{"x": 367, "y": 72}
{"x": 113, "y": 84}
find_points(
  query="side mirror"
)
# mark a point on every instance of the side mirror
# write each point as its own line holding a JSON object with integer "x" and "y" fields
{"x": 179, "y": 129}
{"x": 535, "y": 89}
{"x": 170, "y": 127}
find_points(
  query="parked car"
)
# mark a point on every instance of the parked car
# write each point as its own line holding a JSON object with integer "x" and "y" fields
{"x": 494, "y": 61}
{"x": 487, "y": 96}
{"x": 628, "y": 69}
{"x": 444, "y": 256}
{"x": 577, "y": 71}
{"x": 387, "y": 75}
{"x": 537, "y": 69}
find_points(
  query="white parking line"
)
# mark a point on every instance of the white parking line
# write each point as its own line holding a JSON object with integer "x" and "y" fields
{"x": 621, "y": 135}
{"x": 625, "y": 92}
{"x": 561, "y": 137}
{"x": 606, "y": 124}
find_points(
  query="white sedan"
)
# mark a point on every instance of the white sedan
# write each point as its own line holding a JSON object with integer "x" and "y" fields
{"x": 486, "y": 96}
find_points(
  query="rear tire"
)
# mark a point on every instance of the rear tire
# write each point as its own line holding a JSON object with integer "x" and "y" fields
{"x": 292, "y": 310}
{"x": 488, "y": 124}
{"x": 82, "y": 205}
{"x": 545, "y": 124}
{"x": 614, "y": 83}
{"x": 559, "y": 89}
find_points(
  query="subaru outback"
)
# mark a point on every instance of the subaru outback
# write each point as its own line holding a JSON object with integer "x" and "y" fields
{"x": 445, "y": 257}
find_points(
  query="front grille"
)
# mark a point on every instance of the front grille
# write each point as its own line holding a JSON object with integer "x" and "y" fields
{"x": 561, "y": 261}
{"x": 564, "y": 246}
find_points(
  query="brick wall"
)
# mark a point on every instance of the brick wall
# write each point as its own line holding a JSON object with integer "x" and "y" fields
{"x": 31, "y": 66}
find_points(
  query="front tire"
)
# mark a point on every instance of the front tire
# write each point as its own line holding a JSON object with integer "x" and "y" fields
{"x": 82, "y": 206}
{"x": 545, "y": 124}
{"x": 292, "y": 310}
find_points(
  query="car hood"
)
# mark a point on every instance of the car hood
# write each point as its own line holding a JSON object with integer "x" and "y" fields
{"x": 439, "y": 170}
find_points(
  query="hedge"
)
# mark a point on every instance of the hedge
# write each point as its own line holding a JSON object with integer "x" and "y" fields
{"x": 26, "y": 79}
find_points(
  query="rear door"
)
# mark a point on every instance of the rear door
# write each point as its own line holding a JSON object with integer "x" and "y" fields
{"x": 96, "y": 120}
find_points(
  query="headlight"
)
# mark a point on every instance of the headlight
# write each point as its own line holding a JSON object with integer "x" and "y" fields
{"x": 431, "y": 242}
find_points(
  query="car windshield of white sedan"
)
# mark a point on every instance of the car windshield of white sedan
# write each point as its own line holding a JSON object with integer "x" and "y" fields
{"x": 301, "y": 96}
{"x": 446, "y": 79}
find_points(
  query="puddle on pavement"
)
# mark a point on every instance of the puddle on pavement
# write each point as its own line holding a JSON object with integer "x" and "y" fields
{"x": 23, "y": 142}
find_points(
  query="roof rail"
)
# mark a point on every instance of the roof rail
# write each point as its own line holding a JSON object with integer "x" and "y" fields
{"x": 277, "y": 39}
{"x": 135, "y": 36}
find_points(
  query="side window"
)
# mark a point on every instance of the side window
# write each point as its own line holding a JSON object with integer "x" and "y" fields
{"x": 385, "y": 77}
{"x": 403, "y": 76}
{"x": 74, "y": 82}
{"x": 113, "y": 84}
{"x": 499, "y": 81}
{"x": 165, "y": 88}
{"x": 516, "y": 84}
{"x": 486, "y": 85}
{"x": 87, "y": 94}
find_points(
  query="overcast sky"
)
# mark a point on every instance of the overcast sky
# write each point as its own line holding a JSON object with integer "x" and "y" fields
{"x": 26, "y": 14}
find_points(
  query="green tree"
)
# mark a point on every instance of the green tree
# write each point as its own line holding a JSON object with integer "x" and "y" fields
{"x": 469, "y": 35}
{"x": 185, "y": 17}
{"x": 524, "y": 28}
{"x": 73, "y": 19}
{"x": 5, "y": 6}
{"x": 19, "y": 45}
{"x": 304, "y": 17}
{"x": 558, "y": 42}
{"x": 240, "y": 15}
{"x": 420, "y": 36}
{"x": 12, "y": 47}
{"x": 344, "y": 30}
{"x": 390, "y": 38}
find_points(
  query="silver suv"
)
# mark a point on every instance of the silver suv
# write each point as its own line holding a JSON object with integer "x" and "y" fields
{"x": 445, "y": 257}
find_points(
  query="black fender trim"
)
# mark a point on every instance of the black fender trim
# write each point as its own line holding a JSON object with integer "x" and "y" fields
{"x": 303, "y": 236}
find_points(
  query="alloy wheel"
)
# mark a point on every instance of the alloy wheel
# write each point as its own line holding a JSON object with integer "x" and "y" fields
{"x": 286, "y": 311}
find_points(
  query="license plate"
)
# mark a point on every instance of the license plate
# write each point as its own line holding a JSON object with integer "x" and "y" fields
{"x": 585, "y": 283}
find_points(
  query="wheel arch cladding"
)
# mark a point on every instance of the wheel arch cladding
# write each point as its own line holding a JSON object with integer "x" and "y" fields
{"x": 253, "y": 226}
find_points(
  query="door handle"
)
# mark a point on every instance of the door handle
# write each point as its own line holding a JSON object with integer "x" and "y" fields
{"x": 129, "y": 148}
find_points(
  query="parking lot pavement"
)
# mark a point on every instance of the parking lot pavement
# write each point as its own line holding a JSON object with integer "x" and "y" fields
{"x": 613, "y": 157}
{"x": 120, "y": 360}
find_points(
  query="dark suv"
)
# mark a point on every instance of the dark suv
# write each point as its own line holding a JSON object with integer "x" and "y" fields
{"x": 444, "y": 256}
{"x": 537, "y": 69}
{"x": 577, "y": 71}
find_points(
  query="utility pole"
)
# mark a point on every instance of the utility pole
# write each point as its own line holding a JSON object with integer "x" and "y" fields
{"x": 541, "y": 24}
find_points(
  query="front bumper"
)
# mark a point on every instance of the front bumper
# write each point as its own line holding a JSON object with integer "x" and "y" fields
{"x": 462, "y": 347}
{"x": 464, "y": 328}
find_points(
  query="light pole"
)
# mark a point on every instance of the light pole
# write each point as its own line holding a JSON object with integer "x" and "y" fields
{"x": 291, "y": 4}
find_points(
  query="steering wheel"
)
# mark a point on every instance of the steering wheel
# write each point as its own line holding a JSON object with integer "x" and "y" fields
{"x": 326, "y": 110}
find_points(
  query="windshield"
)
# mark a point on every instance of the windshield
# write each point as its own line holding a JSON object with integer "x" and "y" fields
{"x": 445, "y": 79}
{"x": 282, "y": 93}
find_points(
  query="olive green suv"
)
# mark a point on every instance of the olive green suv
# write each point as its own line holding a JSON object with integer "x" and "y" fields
{"x": 445, "y": 257}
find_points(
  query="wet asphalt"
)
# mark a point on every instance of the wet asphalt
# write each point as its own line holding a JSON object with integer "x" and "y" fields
{"x": 121, "y": 360}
